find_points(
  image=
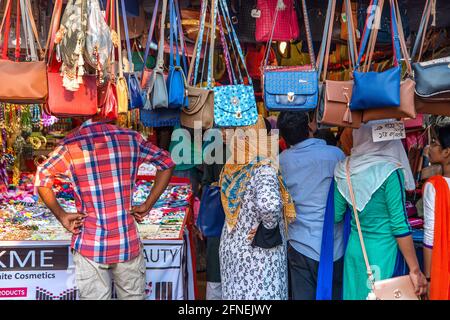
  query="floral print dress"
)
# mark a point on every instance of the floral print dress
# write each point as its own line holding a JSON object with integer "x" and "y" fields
{"x": 253, "y": 273}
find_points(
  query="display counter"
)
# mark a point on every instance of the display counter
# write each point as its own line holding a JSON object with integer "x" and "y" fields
{"x": 35, "y": 258}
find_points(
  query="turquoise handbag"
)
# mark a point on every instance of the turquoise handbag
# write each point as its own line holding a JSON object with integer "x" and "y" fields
{"x": 235, "y": 104}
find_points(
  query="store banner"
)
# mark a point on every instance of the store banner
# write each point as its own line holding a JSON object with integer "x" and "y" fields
{"x": 43, "y": 270}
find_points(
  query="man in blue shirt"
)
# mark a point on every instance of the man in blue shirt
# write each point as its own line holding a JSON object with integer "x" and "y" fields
{"x": 307, "y": 168}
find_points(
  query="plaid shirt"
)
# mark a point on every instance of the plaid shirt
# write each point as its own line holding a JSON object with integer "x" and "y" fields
{"x": 102, "y": 162}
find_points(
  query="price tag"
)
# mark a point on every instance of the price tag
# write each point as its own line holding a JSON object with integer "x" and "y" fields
{"x": 388, "y": 131}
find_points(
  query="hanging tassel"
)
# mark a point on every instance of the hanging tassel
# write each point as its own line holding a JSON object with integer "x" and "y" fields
{"x": 347, "y": 116}
{"x": 81, "y": 71}
{"x": 280, "y": 5}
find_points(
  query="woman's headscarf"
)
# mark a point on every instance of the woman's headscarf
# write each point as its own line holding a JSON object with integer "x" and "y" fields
{"x": 371, "y": 163}
{"x": 250, "y": 148}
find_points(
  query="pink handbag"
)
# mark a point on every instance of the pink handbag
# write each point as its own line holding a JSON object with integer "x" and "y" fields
{"x": 286, "y": 26}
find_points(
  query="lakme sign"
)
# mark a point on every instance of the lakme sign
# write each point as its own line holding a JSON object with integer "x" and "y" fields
{"x": 34, "y": 258}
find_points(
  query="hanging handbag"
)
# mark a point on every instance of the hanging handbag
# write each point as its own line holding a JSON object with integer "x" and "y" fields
{"x": 71, "y": 42}
{"x": 157, "y": 90}
{"x": 24, "y": 82}
{"x": 247, "y": 13}
{"x": 432, "y": 77}
{"x": 200, "y": 108}
{"x": 63, "y": 102}
{"x": 277, "y": 21}
{"x": 407, "y": 107}
{"x": 377, "y": 89}
{"x": 234, "y": 105}
{"x": 211, "y": 216}
{"x": 134, "y": 87}
{"x": 176, "y": 79}
{"x": 398, "y": 288}
{"x": 334, "y": 105}
{"x": 291, "y": 88}
{"x": 98, "y": 45}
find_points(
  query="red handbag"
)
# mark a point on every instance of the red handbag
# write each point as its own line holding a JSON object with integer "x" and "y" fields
{"x": 109, "y": 109}
{"x": 65, "y": 103}
{"x": 62, "y": 102}
{"x": 286, "y": 26}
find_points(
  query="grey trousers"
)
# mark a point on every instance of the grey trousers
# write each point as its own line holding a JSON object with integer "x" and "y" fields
{"x": 94, "y": 279}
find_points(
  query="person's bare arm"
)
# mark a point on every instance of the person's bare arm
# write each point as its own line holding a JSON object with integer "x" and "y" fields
{"x": 71, "y": 221}
{"x": 427, "y": 254}
{"x": 162, "y": 179}
{"x": 406, "y": 246}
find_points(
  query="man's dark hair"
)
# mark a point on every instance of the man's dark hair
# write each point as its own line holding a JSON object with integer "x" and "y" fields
{"x": 443, "y": 135}
{"x": 293, "y": 126}
{"x": 328, "y": 136}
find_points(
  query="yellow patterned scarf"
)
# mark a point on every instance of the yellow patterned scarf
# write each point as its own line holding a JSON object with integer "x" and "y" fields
{"x": 247, "y": 155}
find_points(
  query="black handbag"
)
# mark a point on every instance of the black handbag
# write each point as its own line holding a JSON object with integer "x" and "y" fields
{"x": 267, "y": 238}
{"x": 247, "y": 13}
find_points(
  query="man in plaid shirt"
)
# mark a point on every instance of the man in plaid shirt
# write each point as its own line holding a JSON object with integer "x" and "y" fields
{"x": 102, "y": 162}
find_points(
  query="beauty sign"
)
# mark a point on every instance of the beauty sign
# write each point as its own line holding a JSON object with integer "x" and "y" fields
{"x": 388, "y": 131}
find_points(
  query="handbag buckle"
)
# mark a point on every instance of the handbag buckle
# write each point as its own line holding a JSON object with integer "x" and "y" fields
{"x": 238, "y": 114}
{"x": 290, "y": 96}
{"x": 397, "y": 294}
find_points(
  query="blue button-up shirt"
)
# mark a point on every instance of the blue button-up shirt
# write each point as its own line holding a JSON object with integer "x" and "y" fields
{"x": 308, "y": 169}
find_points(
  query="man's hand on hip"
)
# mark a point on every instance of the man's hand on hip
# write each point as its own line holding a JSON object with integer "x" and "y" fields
{"x": 139, "y": 212}
{"x": 73, "y": 222}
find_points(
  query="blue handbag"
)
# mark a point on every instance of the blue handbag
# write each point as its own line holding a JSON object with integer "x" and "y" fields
{"x": 291, "y": 88}
{"x": 211, "y": 216}
{"x": 162, "y": 117}
{"x": 134, "y": 86}
{"x": 234, "y": 105}
{"x": 176, "y": 80}
{"x": 377, "y": 89}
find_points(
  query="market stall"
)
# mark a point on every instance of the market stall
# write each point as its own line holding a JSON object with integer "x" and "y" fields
{"x": 35, "y": 258}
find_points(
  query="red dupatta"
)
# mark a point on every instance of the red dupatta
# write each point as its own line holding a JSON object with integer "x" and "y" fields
{"x": 440, "y": 268}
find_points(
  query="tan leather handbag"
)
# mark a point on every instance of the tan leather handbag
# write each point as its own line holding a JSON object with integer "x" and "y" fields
{"x": 201, "y": 100}
{"x": 398, "y": 288}
{"x": 334, "y": 107}
{"x": 26, "y": 82}
{"x": 407, "y": 107}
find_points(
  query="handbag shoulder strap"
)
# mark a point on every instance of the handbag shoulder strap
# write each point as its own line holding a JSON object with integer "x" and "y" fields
{"x": 160, "y": 59}
{"x": 30, "y": 17}
{"x": 402, "y": 39}
{"x": 358, "y": 225}
{"x": 194, "y": 65}
{"x": 234, "y": 40}
{"x": 418, "y": 44}
{"x": 210, "y": 79}
{"x": 373, "y": 32}
{"x": 54, "y": 25}
{"x": 184, "y": 51}
{"x": 119, "y": 48}
{"x": 6, "y": 23}
{"x": 307, "y": 31}
{"x": 127, "y": 36}
{"x": 326, "y": 40}
{"x": 150, "y": 34}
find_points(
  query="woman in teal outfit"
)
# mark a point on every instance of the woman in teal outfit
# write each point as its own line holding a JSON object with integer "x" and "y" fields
{"x": 379, "y": 173}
